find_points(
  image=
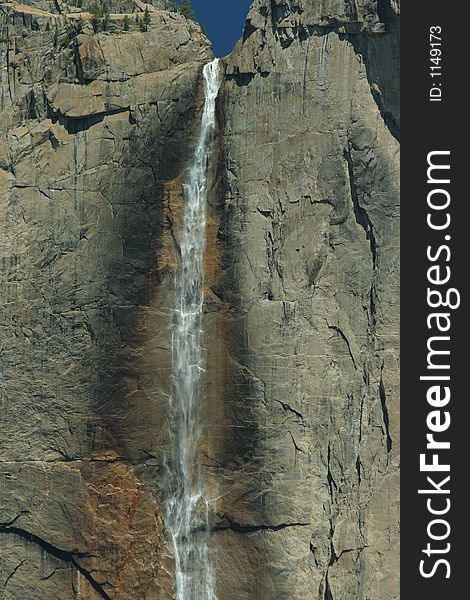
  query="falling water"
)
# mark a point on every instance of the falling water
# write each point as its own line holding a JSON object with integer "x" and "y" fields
{"x": 186, "y": 510}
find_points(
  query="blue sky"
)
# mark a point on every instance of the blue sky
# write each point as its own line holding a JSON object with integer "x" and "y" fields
{"x": 223, "y": 20}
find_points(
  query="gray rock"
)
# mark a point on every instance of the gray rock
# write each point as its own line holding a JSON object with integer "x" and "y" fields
{"x": 300, "y": 452}
{"x": 305, "y": 455}
{"x": 95, "y": 134}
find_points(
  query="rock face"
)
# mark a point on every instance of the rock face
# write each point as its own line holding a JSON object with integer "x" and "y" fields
{"x": 300, "y": 451}
{"x": 94, "y": 131}
{"x": 306, "y": 469}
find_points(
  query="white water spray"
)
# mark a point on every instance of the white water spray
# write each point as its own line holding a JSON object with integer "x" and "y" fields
{"x": 186, "y": 510}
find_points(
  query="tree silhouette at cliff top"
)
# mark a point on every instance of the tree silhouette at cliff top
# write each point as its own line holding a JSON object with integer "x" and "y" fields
{"x": 187, "y": 10}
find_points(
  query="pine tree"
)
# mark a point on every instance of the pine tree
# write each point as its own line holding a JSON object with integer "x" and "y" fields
{"x": 187, "y": 9}
{"x": 96, "y": 15}
{"x": 105, "y": 16}
{"x": 146, "y": 20}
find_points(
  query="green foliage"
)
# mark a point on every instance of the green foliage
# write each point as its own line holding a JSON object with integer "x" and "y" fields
{"x": 187, "y": 9}
{"x": 64, "y": 40}
{"x": 99, "y": 16}
{"x": 73, "y": 29}
{"x": 126, "y": 23}
{"x": 96, "y": 15}
{"x": 105, "y": 16}
{"x": 96, "y": 10}
{"x": 146, "y": 20}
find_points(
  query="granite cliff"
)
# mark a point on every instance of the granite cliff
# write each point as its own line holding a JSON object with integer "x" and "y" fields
{"x": 300, "y": 449}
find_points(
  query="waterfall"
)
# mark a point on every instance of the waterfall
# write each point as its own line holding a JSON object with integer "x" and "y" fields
{"x": 186, "y": 509}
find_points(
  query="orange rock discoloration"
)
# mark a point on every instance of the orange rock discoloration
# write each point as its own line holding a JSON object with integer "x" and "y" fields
{"x": 212, "y": 252}
{"x": 123, "y": 530}
{"x": 167, "y": 253}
